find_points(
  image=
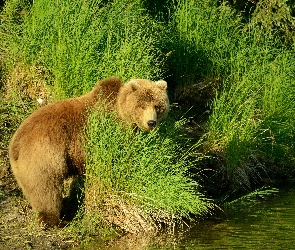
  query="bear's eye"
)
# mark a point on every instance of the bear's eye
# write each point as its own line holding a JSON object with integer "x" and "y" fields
{"x": 158, "y": 108}
{"x": 143, "y": 107}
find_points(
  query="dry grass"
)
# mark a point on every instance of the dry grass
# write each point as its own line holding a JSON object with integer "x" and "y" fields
{"x": 29, "y": 84}
{"x": 129, "y": 217}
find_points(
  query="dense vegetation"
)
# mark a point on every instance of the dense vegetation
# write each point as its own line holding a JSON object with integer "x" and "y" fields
{"x": 230, "y": 70}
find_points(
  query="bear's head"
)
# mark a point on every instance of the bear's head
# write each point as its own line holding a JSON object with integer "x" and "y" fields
{"x": 143, "y": 103}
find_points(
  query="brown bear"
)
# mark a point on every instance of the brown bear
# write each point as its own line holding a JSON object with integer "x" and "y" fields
{"x": 46, "y": 148}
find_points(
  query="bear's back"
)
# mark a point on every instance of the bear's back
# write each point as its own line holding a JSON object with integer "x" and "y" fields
{"x": 54, "y": 121}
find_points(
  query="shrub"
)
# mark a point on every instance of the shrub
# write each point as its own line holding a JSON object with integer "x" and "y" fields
{"x": 275, "y": 19}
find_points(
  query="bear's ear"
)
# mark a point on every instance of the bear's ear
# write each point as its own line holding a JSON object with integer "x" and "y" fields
{"x": 161, "y": 84}
{"x": 134, "y": 84}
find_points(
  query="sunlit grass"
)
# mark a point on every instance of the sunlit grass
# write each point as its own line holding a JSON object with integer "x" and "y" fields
{"x": 139, "y": 178}
{"x": 80, "y": 42}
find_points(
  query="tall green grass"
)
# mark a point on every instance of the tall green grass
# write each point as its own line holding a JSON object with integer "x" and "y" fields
{"x": 252, "y": 115}
{"x": 204, "y": 35}
{"x": 80, "y": 42}
{"x": 139, "y": 181}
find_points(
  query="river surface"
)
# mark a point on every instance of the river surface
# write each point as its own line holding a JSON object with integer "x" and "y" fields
{"x": 269, "y": 224}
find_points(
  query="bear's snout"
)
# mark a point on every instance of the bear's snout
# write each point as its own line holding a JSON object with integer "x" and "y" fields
{"x": 152, "y": 123}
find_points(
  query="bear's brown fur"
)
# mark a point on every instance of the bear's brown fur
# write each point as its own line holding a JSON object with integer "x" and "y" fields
{"x": 46, "y": 148}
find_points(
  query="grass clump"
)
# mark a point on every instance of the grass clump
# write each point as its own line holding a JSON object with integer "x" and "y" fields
{"x": 138, "y": 181}
{"x": 205, "y": 34}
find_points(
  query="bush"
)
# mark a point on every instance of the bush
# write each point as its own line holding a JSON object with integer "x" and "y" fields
{"x": 275, "y": 19}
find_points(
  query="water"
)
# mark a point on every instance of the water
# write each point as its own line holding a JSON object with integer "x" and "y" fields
{"x": 268, "y": 225}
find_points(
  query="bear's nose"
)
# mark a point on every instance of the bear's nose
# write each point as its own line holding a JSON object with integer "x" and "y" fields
{"x": 152, "y": 123}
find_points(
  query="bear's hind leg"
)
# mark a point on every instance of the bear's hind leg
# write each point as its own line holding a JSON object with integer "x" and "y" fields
{"x": 46, "y": 200}
{"x": 42, "y": 185}
{"x": 49, "y": 212}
